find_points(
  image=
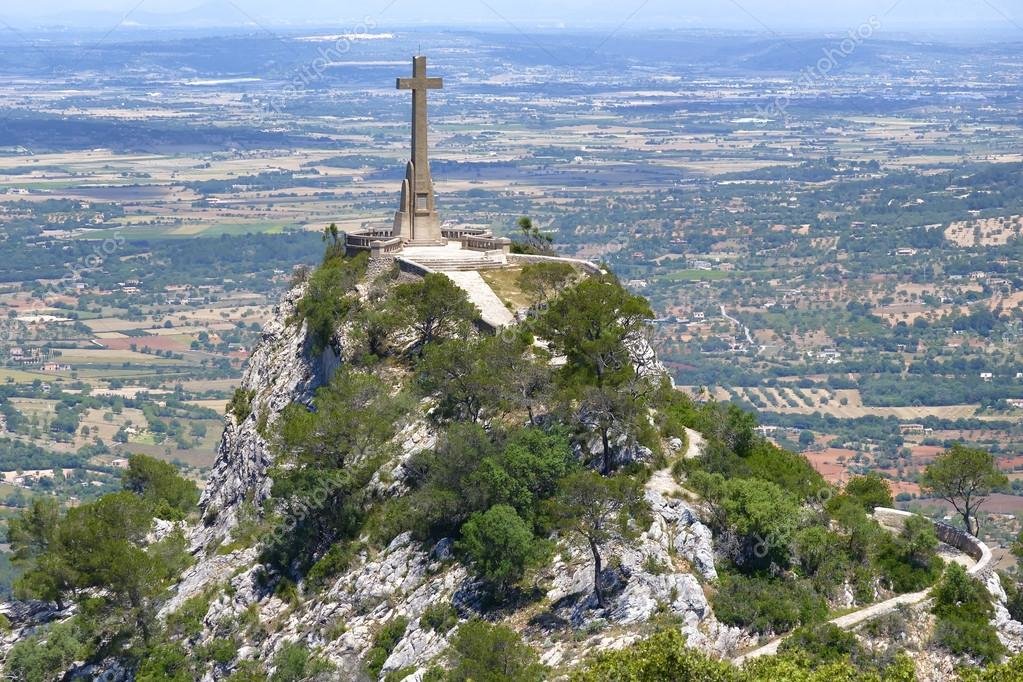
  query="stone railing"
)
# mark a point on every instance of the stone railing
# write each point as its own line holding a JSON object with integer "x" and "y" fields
{"x": 586, "y": 266}
{"x": 360, "y": 240}
{"x": 385, "y": 247}
{"x": 377, "y": 240}
{"x": 487, "y": 243}
{"x": 459, "y": 233}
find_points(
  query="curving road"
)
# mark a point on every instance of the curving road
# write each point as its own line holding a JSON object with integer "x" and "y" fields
{"x": 740, "y": 325}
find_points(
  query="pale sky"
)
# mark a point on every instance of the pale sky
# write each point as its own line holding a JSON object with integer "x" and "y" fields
{"x": 1005, "y": 16}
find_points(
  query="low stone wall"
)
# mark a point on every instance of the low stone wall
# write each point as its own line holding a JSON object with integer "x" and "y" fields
{"x": 587, "y": 266}
{"x": 973, "y": 547}
{"x": 412, "y": 268}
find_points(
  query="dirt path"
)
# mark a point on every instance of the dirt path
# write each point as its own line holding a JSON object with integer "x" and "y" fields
{"x": 662, "y": 481}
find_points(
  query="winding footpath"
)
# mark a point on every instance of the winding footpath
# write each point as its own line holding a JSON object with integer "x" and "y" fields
{"x": 967, "y": 550}
{"x": 974, "y": 555}
{"x": 661, "y": 481}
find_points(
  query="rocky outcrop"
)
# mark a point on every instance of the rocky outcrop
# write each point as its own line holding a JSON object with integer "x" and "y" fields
{"x": 279, "y": 372}
{"x": 663, "y": 572}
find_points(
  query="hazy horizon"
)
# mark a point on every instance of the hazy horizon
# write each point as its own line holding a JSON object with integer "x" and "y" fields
{"x": 905, "y": 16}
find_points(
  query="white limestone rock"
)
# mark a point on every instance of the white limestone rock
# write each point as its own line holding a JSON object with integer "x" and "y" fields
{"x": 279, "y": 372}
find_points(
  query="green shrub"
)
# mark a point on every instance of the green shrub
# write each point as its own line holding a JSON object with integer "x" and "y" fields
{"x": 909, "y": 561}
{"x": 789, "y": 470}
{"x": 961, "y": 635}
{"x": 248, "y": 671}
{"x": 822, "y": 642}
{"x": 219, "y": 650}
{"x": 1010, "y": 670}
{"x": 963, "y": 607}
{"x": 187, "y": 621}
{"x": 763, "y": 515}
{"x": 1014, "y": 595}
{"x": 959, "y": 594}
{"x": 327, "y": 298}
{"x": 495, "y": 653}
{"x": 287, "y": 591}
{"x": 44, "y": 656}
{"x": 166, "y": 663}
{"x": 664, "y": 656}
{"x": 383, "y": 644}
{"x": 869, "y": 491}
{"x": 295, "y": 663}
{"x": 439, "y": 617}
{"x": 171, "y": 494}
{"x": 334, "y": 562}
{"x": 241, "y": 404}
{"x": 499, "y": 545}
{"x": 767, "y": 604}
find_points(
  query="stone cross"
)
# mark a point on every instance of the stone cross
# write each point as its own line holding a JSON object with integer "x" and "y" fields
{"x": 417, "y": 220}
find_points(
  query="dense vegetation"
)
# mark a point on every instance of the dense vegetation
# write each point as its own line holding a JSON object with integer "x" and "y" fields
{"x": 96, "y": 555}
{"x": 529, "y": 456}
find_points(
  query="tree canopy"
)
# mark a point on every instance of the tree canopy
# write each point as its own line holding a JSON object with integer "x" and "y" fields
{"x": 965, "y": 477}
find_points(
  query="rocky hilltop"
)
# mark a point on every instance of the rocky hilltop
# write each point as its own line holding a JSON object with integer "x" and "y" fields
{"x": 406, "y": 577}
{"x": 403, "y": 492}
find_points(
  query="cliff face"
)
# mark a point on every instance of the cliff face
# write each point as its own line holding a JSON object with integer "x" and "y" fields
{"x": 665, "y": 572}
{"x": 280, "y": 371}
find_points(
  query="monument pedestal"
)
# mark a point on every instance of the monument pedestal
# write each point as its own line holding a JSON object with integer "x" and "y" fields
{"x": 421, "y": 229}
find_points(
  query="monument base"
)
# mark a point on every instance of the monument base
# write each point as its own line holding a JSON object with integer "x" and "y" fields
{"x": 421, "y": 230}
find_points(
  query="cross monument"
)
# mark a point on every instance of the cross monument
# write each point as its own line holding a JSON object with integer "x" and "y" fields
{"x": 417, "y": 221}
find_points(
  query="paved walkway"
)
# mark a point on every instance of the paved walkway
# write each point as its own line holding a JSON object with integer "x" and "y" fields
{"x": 851, "y": 620}
{"x": 495, "y": 312}
{"x": 664, "y": 483}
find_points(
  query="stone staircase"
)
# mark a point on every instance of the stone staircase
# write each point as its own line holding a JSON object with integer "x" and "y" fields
{"x": 443, "y": 260}
{"x": 441, "y": 265}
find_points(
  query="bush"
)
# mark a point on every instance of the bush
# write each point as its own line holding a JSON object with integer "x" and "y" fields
{"x": 439, "y": 617}
{"x": 822, "y": 643}
{"x": 166, "y": 663}
{"x": 187, "y": 621}
{"x": 763, "y": 515}
{"x": 334, "y": 562}
{"x": 1010, "y": 670}
{"x": 869, "y": 491}
{"x": 241, "y": 404}
{"x": 820, "y": 555}
{"x": 326, "y": 301}
{"x": 910, "y": 561}
{"x": 499, "y": 545}
{"x": 171, "y": 495}
{"x": 767, "y": 605}
{"x": 960, "y": 635}
{"x": 45, "y": 655}
{"x": 295, "y": 663}
{"x": 963, "y": 607}
{"x": 664, "y": 656}
{"x": 248, "y": 671}
{"x": 383, "y": 644}
{"x": 959, "y": 594}
{"x": 494, "y": 653}
{"x": 1014, "y": 595}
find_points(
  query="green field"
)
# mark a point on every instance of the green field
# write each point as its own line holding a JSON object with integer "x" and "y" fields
{"x": 695, "y": 276}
